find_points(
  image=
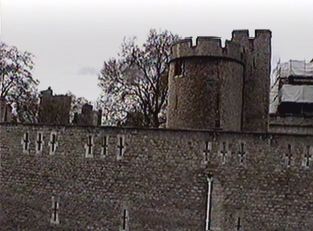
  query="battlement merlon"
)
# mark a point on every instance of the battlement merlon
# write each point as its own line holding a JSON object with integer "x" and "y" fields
{"x": 242, "y": 36}
{"x": 206, "y": 47}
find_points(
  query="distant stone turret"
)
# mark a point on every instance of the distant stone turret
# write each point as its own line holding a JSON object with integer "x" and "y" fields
{"x": 54, "y": 109}
{"x": 88, "y": 116}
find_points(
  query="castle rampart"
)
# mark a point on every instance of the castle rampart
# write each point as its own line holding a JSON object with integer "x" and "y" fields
{"x": 291, "y": 124}
{"x": 237, "y": 175}
{"x": 158, "y": 175}
{"x": 207, "y": 47}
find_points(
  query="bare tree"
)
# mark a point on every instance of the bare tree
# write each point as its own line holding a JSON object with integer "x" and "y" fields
{"x": 135, "y": 83}
{"x": 76, "y": 104}
{"x": 17, "y": 85}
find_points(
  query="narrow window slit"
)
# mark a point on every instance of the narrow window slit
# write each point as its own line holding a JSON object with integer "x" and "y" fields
{"x": 89, "y": 146}
{"x": 239, "y": 224}
{"x": 179, "y": 67}
{"x": 288, "y": 156}
{"x": 120, "y": 147}
{"x": 207, "y": 151}
{"x": 25, "y": 142}
{"x": 55, "y": 211}
{"x": 104, "y": 146}
{"x": 39, "y": 142}
{"x": 53, "y": 143}
{"x": 224, "y": 152}
{"x": 242, "y": 153}
{"x": 307, "y": 157}
{"x": 125, "y": 219}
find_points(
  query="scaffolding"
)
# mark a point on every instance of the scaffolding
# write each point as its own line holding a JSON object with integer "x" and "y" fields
{"x": 292, "y": 88}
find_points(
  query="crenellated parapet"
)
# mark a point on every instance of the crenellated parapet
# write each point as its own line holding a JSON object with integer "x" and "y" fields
{"x": 243, "y": 37}
{"x": 212, "y": 46}
{"x": 207, "y": 47}
{"x": 234, "y": 149}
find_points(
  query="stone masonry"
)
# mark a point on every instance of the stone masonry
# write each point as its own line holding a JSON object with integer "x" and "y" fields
{"x": 211, "y": 86}
{"x": 54, "y": 109}
{"x": 161, "y": 178}
{"x": 217, "y": 167}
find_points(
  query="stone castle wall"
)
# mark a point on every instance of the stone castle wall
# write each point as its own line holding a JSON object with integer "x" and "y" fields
{"x": 54, "y": 109}
{"x": 195, "y": 96}
{"x": 196, "y": 100}
{"x": 159, "y": 176}
{"x": 257, "y": 52}
{"x": 221, "y": 87}
{"x": 291, "y": 124}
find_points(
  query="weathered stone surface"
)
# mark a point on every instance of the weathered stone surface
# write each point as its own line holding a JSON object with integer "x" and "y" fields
{"x": 225, "y": 88}
{"x": 99, "y": 178}
{"x": 196, "y": 100}
{"x": 54, "y": 109}
{"x": 161, "y": 179}
{"x": 291, "y": 124}
{"x": 257, "y": 52}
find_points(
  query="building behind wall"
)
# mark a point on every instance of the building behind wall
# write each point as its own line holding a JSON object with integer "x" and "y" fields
{"x": 292, "y": 97}
{"x": 211, "y": 169}
{"x": 88, "y": 116}
{"x": 54, "y": 109}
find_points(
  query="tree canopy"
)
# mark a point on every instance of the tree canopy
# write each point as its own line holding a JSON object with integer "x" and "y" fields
{"x": 17, "y": 85}
{"x": 76, "y": 104}
{"x": 134, "y": 85}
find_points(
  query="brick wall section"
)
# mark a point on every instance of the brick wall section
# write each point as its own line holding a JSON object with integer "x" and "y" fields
{"x": 161, "y": 180}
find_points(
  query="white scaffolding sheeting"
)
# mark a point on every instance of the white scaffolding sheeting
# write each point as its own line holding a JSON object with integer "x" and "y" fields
{"x": 295, "y": 68}
{"x": 296, "y": 93}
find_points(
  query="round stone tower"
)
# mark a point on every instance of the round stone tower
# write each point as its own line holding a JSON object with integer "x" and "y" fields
{"x": 206, "y": 85}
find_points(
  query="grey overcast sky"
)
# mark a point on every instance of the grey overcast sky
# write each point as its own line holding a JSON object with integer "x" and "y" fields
{"x": 72, "y": 38}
